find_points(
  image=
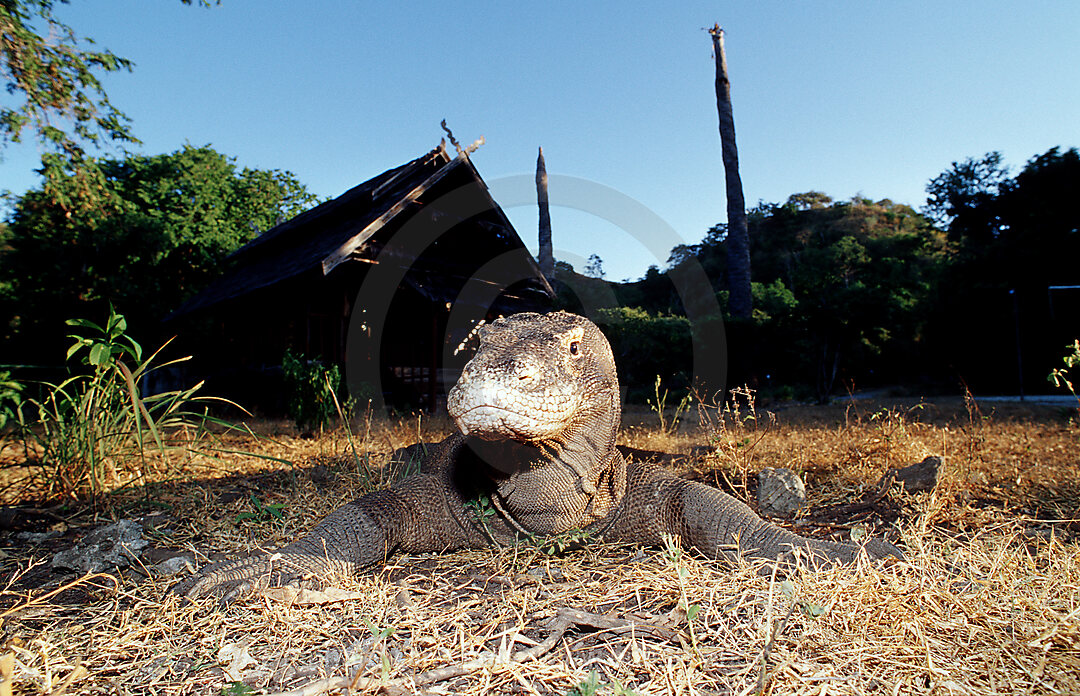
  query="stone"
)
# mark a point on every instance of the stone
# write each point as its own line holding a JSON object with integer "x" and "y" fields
{"x": 114, "y": 545}
{"x": 921, "y": 476}
{"x": 780, "y": 492}
{"x": 171, "y": 566}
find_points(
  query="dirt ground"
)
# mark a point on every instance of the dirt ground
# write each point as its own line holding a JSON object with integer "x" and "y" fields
{"x": 986, "y": 601}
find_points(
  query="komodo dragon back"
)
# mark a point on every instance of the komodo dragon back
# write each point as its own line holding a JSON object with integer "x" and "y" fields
{"x": 538, "y": 413}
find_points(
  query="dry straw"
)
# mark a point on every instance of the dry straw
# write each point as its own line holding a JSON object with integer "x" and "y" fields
{"x": 988, "y": 601}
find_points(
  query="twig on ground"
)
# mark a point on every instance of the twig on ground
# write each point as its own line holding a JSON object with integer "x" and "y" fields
{"x": 565, "y": 619}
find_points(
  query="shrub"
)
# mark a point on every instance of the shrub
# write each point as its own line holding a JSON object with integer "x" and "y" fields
{"x": 648, "y": 347}
{"x": 311, "y": 387}
{"x": 94, "y": 428}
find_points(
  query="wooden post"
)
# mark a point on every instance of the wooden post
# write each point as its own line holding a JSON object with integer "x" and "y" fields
{"x": 547, "y": 258}
{"x": 740, "y": 302}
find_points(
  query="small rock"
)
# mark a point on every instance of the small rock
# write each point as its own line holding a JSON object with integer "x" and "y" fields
{"x": 320, "y": 475}
{"x": 780, "y": 492}
{"x": 234, "y": 659}
{"x": 36, "y": 537}
{"x": 921, "y": 476}
{"x": 112, "y": 545}
{"x": 171, "y": 566}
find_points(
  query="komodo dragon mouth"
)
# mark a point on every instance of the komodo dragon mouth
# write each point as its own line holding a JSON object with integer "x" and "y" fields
{"x": 490, "y": 422}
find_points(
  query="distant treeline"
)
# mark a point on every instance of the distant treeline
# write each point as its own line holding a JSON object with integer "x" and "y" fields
{"x": 142, "y": 233}
{"x": 862, "y": 293}
{"x": 856, "y": 293}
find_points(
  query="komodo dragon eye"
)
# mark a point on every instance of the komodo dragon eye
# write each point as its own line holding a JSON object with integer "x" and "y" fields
{"x": 575, "y": 347}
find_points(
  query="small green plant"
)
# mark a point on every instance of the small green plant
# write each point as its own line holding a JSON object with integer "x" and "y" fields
{"x": 483, "y": 509}
{"x": 10, "y": 398}
{"x": 589, "y": 687}
{"x": 559, "y": 544}
{"x": 262, "y": 511}
{"x": 379, "y": 636}
{"x": 1060, "y": 376}
{"x": 592, "y": 686}
{"x": 658, "y": 406}
{"x": 312, "y": 391}
{"x": 673, "y": 553}
{"x": 809, "y": 610}
{"x": 236, "y": 689}
{"x": 95, "y": 427}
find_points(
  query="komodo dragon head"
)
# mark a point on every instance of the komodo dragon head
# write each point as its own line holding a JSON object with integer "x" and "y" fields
{"x": 537, "y": 378}
{"x": 539, "y": 403}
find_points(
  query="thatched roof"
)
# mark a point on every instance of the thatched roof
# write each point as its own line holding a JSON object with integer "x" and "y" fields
{"x": 342, "y": 229}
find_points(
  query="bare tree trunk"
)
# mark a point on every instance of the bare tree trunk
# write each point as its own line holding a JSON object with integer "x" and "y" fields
{"x": 547, "y": 258}
{"x": 740, "y": 303}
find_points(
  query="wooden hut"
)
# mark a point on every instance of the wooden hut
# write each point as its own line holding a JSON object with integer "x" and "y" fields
{"x": 388, "y": 280}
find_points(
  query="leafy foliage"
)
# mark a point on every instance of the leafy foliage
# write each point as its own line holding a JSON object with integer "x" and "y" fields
{"x": 53, "y": 76}
{"x": 841, "y": 288}
{"x": 312, "y": 390}
{"x": 94, "y": 429}
{"x": 647, "y": 347}
{"x": 10, "y": 398}
{"x": 144, "y": 232}
{"x": 1010, "y": 239}
{"x": 956, "y": 194}
{"x": 236, "y": 688}
{"x": 262, "y": 510}
{"x": 56, "y": 75}
{"x": 860, "y": 273}
{"x": 1060, "y": 376}
{"x": 595, "y": 267}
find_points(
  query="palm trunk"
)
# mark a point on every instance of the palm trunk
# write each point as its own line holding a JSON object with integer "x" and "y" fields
{"x": 547, "y": 257}
{"x": 740, "y": 302}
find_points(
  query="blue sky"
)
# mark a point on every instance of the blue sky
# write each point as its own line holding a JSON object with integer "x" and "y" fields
{"x": 850, "y": 98}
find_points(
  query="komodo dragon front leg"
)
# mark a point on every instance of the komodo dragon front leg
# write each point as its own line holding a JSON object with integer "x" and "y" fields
{"x": 413, "y": 516}
{"x": 659, "y": 504}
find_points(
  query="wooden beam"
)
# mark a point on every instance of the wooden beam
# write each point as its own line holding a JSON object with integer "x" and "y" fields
{"x": 441, "y": 150}
{"x": 341, "y": 254}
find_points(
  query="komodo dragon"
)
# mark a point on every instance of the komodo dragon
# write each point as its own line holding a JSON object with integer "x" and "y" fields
{"x": 538, "y": 410}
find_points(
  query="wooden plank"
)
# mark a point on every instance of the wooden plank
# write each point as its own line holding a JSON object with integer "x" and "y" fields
{"x": 441, "y": 150}
{"x": 341, "y": 254}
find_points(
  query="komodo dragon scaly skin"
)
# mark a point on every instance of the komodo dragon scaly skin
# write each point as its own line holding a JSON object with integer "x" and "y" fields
{"x": 538, "y": 410}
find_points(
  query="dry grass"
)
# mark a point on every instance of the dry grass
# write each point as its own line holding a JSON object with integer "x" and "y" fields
{"x": 988, "y": 601}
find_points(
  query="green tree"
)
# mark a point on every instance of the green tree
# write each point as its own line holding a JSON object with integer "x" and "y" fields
{"x": 955, "y": 195}
{"x": 842, "y": 288}
{"x": 863, "y": 273}
{"x": 52, "y": 77}
{"x": 1010, "y": 239}
{"x": 594, "y": 268}
{"x": 647, "y": 346}
{"x": 155, "y": 230}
